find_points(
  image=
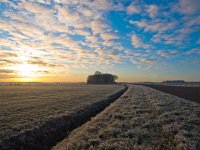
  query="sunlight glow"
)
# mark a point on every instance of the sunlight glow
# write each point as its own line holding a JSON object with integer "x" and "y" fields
{"x": 27, "y": 70}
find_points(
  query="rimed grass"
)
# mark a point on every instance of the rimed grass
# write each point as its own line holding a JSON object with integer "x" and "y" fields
{"x": 143, "y": 118}
{"x": 27, "y": 105}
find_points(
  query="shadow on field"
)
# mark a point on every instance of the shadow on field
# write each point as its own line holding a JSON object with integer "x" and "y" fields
{"x": 189, "y": 93}
{"x": 52, "y": 131}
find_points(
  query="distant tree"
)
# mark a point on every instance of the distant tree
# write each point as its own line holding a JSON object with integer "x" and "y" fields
{"x": 99, "y": 78}
{"x": 115, "y": 77}
{"x": 97, "y": 72}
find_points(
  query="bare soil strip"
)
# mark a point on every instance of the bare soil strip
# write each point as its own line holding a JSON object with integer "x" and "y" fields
{"x": 189, "y": 93}
{"x": 143, "y": 118}
{"x": 52, "y": 131}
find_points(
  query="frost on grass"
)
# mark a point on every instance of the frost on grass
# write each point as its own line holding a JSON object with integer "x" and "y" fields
{"x": 44, "y": 136}
{"x": 143, "y": 118}
{"x": 27, "y": 106}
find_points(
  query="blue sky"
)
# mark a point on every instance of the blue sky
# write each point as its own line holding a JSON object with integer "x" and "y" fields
{"x": 64, "y": 40}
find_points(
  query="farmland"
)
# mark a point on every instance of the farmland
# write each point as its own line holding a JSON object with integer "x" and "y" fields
{"x": 189, "y": 93}
{"x": 24, "y": 106}
{"x": 143, "y": 118}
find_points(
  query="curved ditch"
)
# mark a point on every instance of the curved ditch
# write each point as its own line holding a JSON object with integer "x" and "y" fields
{"x": 52, "y": 131}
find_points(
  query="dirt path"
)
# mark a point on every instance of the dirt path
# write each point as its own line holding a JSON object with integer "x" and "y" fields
{"x": 143, "y": 118}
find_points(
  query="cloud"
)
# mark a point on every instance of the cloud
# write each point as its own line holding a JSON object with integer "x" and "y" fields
{"x": 189, "y": 6}
{"x": 154, "y": 26}
{"x": 152, "y": 10}
{"x": 167, "y": 53}
{"x": 113, "y": 44}
{"x": 66, "y": 15}
{"x": 38, "y": 61}
{"x": 87, "y": 12}
{"x": 146, "y": 63}
{"x": 135, "y": 62}
{"x": 137, "y": 42}
{"x": 8, "y": 73}
{"x": 133, "y": 53}
{"x": 98, "y": 26}
{"x": 193, "y": 51}
{"x": 102, "y": 5}
{"x": 92, "y": 39}
{"x": 108, "y": 36}
{"x": 5, "y": 54}
{"x": 147, "y": 60}
{"x": 80, "y": 32}
{"x": 45, "y": 31}
{"x": 63, "y": 34}
{"x": 132, "y": 9}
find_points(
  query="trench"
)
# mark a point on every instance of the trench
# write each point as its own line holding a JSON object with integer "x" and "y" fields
{"x": 45, "y": 136}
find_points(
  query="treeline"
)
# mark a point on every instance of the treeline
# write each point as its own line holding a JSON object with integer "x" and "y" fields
{"x": 100, "y": 78}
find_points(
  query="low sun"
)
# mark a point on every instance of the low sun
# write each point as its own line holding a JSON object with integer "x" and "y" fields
{"x": 27, "y": 72}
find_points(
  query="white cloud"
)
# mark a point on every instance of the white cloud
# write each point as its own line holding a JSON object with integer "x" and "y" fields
{"x": 193, "y": 51}
{"x": 109, "y": 43}
{"x": 154, "y": 26}
{"x": 42, "y": 1}
{"x": 67, "y": 15}
{"x": 98, "y": 26}
{"x": 137, "y": 42}
{"x": 87, "y": 12}
{"x": 109, "y": 36}
{"x": 34, "y": 8}
{"x": 152, "y": 10}
{"x": 147, "y": 60}
{"x": 37, "y": 30}
{"x": 135, "y": 62}
{"x": 81, "y": 32}
{"x": 132, "y": 9}
{"x": 102, "y": 4}
{"x": 167, "y": 53}
{"x": 189, "y": 6}
{"x": 67, "y": 2}
{"x": 92, "y": 39}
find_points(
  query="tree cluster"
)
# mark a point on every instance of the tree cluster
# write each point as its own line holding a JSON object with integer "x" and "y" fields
{"x": 174, "y": 81}
{"x": 100, "y": 78}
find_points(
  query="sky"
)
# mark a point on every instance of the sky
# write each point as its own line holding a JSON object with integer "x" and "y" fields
{"x": 66, "y": 40}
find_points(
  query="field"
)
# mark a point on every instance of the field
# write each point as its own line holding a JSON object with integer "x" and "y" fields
{"x": 24, "y": 106}
{"x": 189, "y": 93}
{"x": 143, "y": 118}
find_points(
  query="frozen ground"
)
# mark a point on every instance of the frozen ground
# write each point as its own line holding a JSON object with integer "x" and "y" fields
{"x": 143, "y": 118}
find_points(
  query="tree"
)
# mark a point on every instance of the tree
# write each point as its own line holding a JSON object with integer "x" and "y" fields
{"x": 97, "y": 72}
{"x": 100, "y": 78}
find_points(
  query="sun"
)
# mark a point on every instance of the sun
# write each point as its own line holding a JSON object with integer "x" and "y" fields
{"x": 27, "y": 72}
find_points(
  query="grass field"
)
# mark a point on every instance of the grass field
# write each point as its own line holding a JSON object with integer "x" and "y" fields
{"x": 143, "y": 118}
{"x": 27, "y": 105}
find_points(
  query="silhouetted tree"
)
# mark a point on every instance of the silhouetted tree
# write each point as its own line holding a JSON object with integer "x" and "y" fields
{"x": 99, "y": 78}
{"x": 97, "y": 72}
